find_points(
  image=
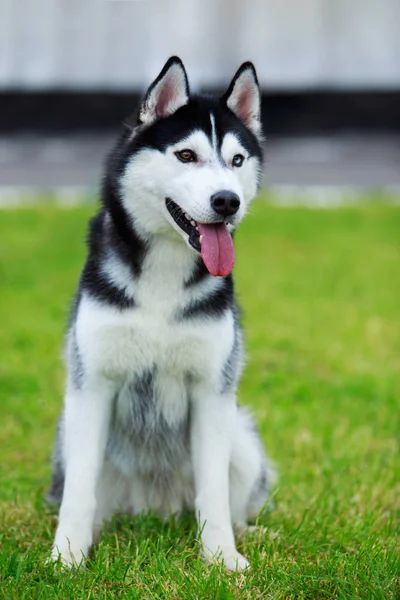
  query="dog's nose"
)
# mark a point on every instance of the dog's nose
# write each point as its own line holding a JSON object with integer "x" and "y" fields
{"x": 225, "y": 203}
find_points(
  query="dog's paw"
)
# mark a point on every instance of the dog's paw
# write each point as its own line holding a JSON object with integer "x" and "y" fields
{"x": 234, "y": 561}
{"x": 66, "y": 556}
{"x": 230, "y": 557}
{"x": 70, "y": 551}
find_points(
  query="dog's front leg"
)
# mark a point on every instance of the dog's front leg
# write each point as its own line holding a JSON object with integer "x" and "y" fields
{"x": 212, "y": 424}
{"x": 87, "y": 414}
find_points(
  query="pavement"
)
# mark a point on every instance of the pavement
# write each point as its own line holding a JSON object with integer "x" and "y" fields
{"x": 72, "y": 164}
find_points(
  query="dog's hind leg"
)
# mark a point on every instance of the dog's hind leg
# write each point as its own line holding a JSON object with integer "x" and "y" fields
{"x": 251, "y": 475}
{"x": 112, "y": 496}
{"x": 55, "y": 493}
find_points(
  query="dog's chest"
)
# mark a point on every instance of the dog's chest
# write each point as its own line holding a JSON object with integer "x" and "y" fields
{"x": 144, "y": 338}
{"x": 153, "y": 332}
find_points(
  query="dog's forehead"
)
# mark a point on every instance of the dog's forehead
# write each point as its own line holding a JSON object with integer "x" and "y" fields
{"x": 203, "y": 120}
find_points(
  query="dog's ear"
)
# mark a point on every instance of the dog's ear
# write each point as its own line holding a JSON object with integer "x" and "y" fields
{"x": 168, "y": 92}
{"x": 243, "y": 97}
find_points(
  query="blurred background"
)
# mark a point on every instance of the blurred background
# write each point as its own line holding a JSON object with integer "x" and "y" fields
{"x": 71, "y": 70}
{"x": 319, "y": 288}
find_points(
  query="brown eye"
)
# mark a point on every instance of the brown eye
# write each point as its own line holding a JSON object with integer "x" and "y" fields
{"x": 237, "y": 160}
{"x": 186, "y": 156}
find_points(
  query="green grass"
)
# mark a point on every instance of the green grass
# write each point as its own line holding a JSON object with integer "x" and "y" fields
{"x": 321, "y": 297}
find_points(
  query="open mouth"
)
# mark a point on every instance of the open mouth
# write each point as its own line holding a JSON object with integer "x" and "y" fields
{"x": 212, "y": 240}
{"x": 185, "y": 222}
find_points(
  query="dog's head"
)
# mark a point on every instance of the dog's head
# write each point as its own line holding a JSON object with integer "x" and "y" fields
{"x": 192, "y": 164}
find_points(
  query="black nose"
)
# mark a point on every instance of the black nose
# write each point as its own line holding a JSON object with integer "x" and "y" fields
{"x": 225, "y": 203}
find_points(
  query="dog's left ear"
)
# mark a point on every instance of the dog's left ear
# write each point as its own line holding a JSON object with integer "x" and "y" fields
{"x": 168, "y": 92}
{"x": 243, "y": 97}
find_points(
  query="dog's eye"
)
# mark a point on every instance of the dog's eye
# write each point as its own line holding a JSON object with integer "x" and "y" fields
{"x": 186, "y": 156}
{"x": 237, "y": 160}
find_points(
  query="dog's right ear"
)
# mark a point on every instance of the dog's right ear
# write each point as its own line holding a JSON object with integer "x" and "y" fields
{"x": 168, "y": 92}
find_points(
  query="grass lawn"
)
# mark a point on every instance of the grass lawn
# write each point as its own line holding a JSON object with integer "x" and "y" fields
{"x": 320, "y": 291}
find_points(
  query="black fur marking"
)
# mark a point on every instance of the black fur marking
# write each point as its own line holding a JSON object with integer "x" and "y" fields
{"x": 121, "y": 234}
{"x": 102, "y": 237}
{"x": 55, "y": 493}
{"x": 262, "y": 483}
{"x": 143, "y": 401}
{"x": 73, "y": 309}
{"x": 231, "y": 370}
{"x": 75, "y": 362}
{"x": 199, "y": 273}
{"x": 213, "y": 306}
{"x": 156, "y": 446}
{"x": 98, "y": 287}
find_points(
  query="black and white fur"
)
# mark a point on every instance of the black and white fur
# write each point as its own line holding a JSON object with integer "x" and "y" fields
{"x": 154, "y": 349}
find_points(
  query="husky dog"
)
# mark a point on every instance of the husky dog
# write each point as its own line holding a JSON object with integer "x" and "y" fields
{"x": 154, "y": 349}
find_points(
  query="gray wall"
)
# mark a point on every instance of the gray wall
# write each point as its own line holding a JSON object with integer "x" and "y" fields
{"x": 120, "y": 44}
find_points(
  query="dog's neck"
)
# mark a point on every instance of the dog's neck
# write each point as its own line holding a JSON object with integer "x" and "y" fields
{"x": 156, "y": 257}
{"x": 168, "y": 254}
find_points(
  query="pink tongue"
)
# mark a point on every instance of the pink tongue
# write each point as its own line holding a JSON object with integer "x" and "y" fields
{"x": 217, "y": 249}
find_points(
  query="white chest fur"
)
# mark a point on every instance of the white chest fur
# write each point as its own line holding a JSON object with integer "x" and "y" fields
{"x": 121, "y": 343}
